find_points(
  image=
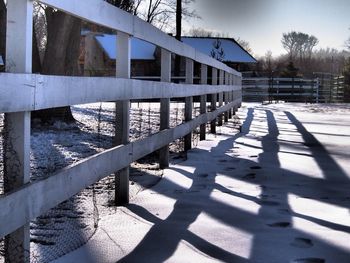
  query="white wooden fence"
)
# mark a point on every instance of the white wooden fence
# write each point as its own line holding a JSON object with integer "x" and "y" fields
{"x": 22, "y": 92}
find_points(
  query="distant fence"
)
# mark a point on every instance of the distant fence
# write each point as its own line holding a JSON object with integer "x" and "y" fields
{"x": 280, "y": 89}
{"x": 22, "y": 92}
{"x": 332, "y": 88}
{"x": 323, "y": 89}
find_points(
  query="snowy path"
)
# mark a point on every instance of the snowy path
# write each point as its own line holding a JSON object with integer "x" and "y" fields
{"x": 277, "y": 192}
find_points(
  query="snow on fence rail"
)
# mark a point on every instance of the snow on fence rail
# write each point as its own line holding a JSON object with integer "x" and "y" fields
{"x": 22, "y": 92}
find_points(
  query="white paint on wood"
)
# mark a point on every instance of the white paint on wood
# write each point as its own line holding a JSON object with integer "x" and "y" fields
{"x": 165, "y": 75}
{"x": 189, "y": 102}
{"x": 189, "y": 71}
{"x": 17, "y": 124}
{"x": 25, "y": 92}
{"x": 165, "y": 106}
{"x": 214, "y": 77}
{"x": 221, "y": 100}
{"x": 122, "y": 116}
{"x": 214, "y": 82}
{"x": 221, "y": 77}
{"x": 19, "y": 36}
{"x": 124, "y": 55}
{"x": 203, "y": 100}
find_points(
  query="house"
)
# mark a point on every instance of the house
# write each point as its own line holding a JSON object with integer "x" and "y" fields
{"x": 99, "y": 53}
{"x": 227, "y": 50}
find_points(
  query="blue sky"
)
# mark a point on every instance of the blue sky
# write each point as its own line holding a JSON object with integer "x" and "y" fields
{"x": 262, "y": 22}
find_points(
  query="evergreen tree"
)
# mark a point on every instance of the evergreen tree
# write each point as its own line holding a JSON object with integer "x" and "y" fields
{"x": 217, "y": 52}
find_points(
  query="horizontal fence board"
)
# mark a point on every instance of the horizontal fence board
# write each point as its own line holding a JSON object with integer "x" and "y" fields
{"x": 96, "y": 11}
{"x": 280, "y": 94}
{"x": 16, "y": 94}
{"x": 32, "y": 200}
{"x": 102, "y": 13}
{"x": 28, "y": 92}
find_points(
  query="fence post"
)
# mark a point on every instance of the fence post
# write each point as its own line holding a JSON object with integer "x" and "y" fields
{"x": 165, "y": 106}
{"x": 122, "y": 117}
{"x": 230, "y": 96}
{"x": 188, "y": 102}
{"x": 232, "y": 93}
{"x": 203, "y": 99}
{"x": 214, "y": 81}
{"x": 17, "y": 125}
{"x": 221, "y": 96}
{"x": 226, "y": 95}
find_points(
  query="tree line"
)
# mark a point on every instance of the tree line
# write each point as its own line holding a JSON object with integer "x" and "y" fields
{"x": 303, "y": 59}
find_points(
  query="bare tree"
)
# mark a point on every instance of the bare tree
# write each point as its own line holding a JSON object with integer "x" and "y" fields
{"x": 244, "y": 44}
{"x": 268, "y": 62}
{"x": 289, "y": 42}
{"x": 299, "y": 44}
{"x": 200, "y": 32}
{"x": 127, "y": 5}
{"x": 347, "y": 43}
{"x": 162, "y": 13}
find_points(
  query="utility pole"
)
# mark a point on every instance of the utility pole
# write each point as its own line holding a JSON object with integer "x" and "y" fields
{"x": 178, "y": 19}
{"x": 178, "y": 36}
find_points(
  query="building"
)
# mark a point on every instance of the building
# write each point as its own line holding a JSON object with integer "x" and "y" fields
{"x": 227, "y": 50}
{"x": 98, "y": 54}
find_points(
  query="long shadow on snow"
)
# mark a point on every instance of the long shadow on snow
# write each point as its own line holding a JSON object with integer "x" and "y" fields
{"x": 161, "y": 243}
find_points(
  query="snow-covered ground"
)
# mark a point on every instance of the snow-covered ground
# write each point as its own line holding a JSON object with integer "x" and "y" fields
{"x": 254, "y": 170}
{"x": 276, "y": 192}
{"x": 72, "y": 223}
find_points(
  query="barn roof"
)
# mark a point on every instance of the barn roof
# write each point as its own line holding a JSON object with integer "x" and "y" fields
{"x": 233, "y": 51}
{"x": 140, "y": 50}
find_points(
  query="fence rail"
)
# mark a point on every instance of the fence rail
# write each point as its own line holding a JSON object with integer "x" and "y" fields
{"x": 326, "y": 88}
{"x": 22, "y": 92}
{"x": 29, "y": 92}
{"x": 286, "y": 89}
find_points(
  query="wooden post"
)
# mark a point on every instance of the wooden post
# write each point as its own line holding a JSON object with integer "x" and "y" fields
{"x": 230, "y": 96}
{"x": 226, "y": 102}
{"x": 203, "y": 99}
{"x": 165, "y": 106}
{"x": 232, "y": 92}
{"x": 122, "y": 117}
{"x": 226, "y": 94}
{"x": 214, "y": 80}
{"x": 17, "y": 125}
{"x": 221, "y": 96}
{"x": 188, "y": 102}
{"x": 221, "y": 100}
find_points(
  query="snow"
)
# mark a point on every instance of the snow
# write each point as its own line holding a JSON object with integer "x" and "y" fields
{"x": 140, "y": 49}
{"x": 277, "y": 192}
{"x": 243, "y": 197}
{"x": 233, "y": 52}
{"x": 72, "y": 223}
